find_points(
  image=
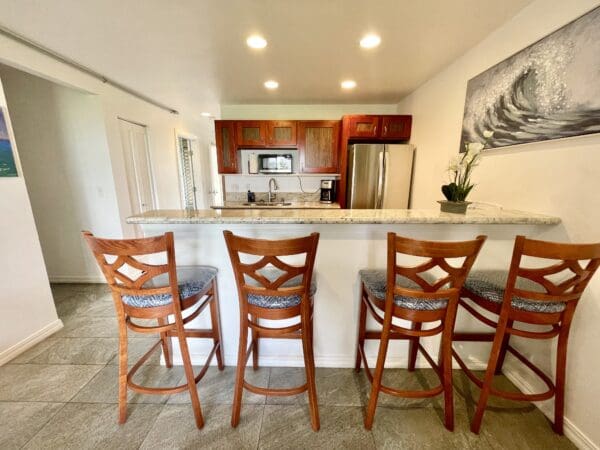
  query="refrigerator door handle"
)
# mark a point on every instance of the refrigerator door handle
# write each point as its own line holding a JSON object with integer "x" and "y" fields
{"x": 381, "y": 179}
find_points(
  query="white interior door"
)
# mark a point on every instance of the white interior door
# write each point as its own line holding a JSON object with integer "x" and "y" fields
{"x": 137, "y": 163}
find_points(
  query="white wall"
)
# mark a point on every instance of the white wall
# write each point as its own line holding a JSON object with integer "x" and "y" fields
{"x": 561, "y": 178}
{"x": 115, "y": 103}
{"x": 27, "y": 312}
{"x": 67, "y": 169}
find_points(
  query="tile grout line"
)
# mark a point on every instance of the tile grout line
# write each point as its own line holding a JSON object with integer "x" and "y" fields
{"x": 45, "y": 423}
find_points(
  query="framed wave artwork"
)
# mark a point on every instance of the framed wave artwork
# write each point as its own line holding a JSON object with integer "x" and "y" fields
{"x": 8, "y": 167}
{"x": 549, "y": 90}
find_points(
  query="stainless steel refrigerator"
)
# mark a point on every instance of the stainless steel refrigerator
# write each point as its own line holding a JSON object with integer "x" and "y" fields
{"x": 379, "y": 176}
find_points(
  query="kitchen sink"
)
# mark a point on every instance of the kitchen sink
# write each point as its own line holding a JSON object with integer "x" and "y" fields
{"x": 267, "y": 204}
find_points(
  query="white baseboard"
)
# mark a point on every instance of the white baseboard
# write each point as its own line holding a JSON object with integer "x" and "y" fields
{"x": 30, "y": 341}
{"x": 77, "y": 279}
{"x": 334, "y": 361}
{"x": 571, "y": 431}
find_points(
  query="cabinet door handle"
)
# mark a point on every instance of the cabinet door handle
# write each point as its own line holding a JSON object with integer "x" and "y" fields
{"x": 385, "y": 130}
{"x": 375, "y": 129}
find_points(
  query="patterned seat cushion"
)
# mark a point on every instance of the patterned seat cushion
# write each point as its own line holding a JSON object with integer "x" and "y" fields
{"x": 490, "y": 285}
{"x": 273, "y": 302}
{"x": 191, "y": 280}
{"x": 375, "y": 282}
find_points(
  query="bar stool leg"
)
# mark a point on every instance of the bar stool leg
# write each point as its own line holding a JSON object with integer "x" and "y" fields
{"x": 241, "y": 369}
{"x": 489, "y": 373}
{"x": 309, "y": 367}
{"x": 446, "y": 364}
{"x": 561, "y": 366}
{"x": 189, "y": 371}
{"x": 254, "y": 344}
{"x": 503, "y": 350}
{"x": 376, "y": 387}
{"x": 167, "y": 347}
{"x": 122, "y": 369}
{"x": 216, "y": 324}
{"x": 413, "y": 348}
{"x": 362, "y": 324}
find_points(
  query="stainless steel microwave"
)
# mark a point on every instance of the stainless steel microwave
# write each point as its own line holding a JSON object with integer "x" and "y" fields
{"x": 280, "y": 163}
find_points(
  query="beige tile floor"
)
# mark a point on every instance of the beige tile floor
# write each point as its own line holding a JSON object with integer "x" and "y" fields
{"x": 63, "y": 392}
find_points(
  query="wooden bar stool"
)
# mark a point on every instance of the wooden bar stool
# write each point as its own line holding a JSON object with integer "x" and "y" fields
{"x": 272, "y": 289}
{"x": 150, "y": 296}
{"x": 545, "y": 296}
{"x": 413, "y": 294}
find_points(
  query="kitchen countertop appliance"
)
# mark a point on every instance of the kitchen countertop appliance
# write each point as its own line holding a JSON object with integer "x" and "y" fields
{"x": 328, "y": 191}
{"x": 379, "y": 176}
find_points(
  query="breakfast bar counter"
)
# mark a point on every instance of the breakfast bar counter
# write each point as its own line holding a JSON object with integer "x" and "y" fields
{"x": 341, "y": 216}
{"x": 350, "y": 240}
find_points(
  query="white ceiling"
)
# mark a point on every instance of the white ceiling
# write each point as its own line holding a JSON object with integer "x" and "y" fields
{"x": 191, "y": 55}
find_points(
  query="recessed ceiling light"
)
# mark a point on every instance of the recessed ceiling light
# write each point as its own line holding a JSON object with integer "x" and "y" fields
{"x": 256, "y": 41}
{"x": 348, "y": 84}
{"x": 205, "y": 114}
{"x": 370, "y": 41}
{"x": 271, "y": 84}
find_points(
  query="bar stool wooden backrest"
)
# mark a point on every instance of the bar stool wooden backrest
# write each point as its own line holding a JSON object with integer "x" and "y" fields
{"x": 270, "y": 252}
{"x": 564, "y": 257}
{"x": 290, "y": 282}
{"x": 438, "y": 252}
{"x": 125, "y": 252}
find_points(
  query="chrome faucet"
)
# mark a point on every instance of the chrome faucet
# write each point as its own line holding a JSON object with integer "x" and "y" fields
{"x": 272, "y": 187}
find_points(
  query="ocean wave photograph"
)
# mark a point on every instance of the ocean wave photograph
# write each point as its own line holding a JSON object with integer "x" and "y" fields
{"x": 8, "y": 168}
{"x": 549, "y": 90}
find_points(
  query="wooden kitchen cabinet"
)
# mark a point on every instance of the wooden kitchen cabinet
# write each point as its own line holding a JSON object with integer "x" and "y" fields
{"x": 251, "y": 133}
{"x": 318, "y": 146}
{"x": 363, "y": 126}
{"x": 396, "y": 127}
{"x": 226, "y": 147}
{"x": 281, "y": 133}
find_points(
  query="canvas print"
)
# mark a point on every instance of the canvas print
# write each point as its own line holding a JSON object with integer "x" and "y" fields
{"x": 549, "y": 90}
{"x": 8, "y": 168}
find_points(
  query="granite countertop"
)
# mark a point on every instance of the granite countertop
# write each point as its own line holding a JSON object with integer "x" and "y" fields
{"x": 292, "y": 205}
{"x": 341, "y": 216}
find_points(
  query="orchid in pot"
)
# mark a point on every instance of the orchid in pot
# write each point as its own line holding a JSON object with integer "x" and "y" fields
{"x": 460, "y": 170}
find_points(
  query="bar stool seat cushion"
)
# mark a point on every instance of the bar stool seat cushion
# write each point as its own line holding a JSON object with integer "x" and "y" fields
{"x": 490, "y": 285}
{"x": 190, "y": 279}
{"x": 276, "y": 302}
{"x": 375, "y": 282}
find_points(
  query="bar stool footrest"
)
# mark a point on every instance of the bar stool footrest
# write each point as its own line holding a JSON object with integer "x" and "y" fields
{"x": 277, "y": 392}
{"x": 517, "y": 396}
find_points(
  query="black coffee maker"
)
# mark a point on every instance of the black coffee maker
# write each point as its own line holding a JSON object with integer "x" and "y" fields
{"x": 328, "y": 191}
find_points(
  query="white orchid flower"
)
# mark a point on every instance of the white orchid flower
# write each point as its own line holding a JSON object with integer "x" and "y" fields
{"x": 488, "y": 134}
{"x": 455, "y": 164}
{"x": 474, "y": 147}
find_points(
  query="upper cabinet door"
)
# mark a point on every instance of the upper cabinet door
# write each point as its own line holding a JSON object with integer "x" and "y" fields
{"x": 281, "y": 133}
{"x": 251, "y": 133}
{"x": 396, "y": 127}
{"x": 318, "y": 145}
{"x": 363, "y": 126}
{"x": 226, "y": 148}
